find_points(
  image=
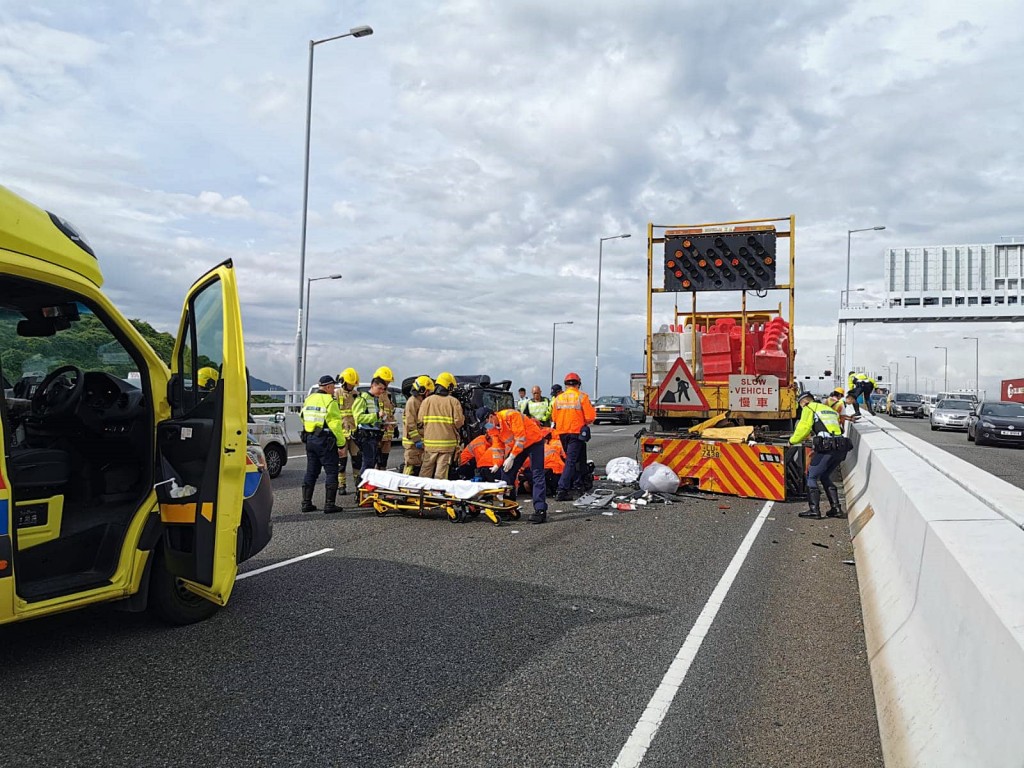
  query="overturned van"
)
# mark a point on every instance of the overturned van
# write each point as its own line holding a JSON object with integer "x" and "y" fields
{"x": 120, "y": 479}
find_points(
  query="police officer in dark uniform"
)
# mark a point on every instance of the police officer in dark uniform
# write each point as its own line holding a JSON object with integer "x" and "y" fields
{"x": 322, "y": 434}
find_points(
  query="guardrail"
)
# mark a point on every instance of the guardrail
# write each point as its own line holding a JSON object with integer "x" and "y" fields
{"x": 940, "y": 555}
{"x": 290, "y": 401}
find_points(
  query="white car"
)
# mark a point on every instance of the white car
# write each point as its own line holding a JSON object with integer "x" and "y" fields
{"x": 396, "y": 397}
{"x": 951, "y": 414}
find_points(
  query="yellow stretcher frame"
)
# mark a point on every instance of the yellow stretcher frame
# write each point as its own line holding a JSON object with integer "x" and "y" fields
{"x": 490, "y": 502}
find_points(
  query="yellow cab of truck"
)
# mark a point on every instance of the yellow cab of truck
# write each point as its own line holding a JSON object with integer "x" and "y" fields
{"x": 120, "y": 479}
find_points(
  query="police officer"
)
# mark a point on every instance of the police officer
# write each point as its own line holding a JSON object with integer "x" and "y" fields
{"x": 861, "y": 385}
{"x": 369, "y": 427}
{"x": 321, "y": 426}
{"x": 818, "y": 419}
{"x": 538, "y": 407}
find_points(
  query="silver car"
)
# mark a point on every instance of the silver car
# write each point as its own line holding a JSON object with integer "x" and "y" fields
{"x": 951, "y": 414}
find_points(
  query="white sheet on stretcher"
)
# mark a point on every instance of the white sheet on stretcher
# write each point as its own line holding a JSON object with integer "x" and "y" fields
{"x": 396, "y": 481}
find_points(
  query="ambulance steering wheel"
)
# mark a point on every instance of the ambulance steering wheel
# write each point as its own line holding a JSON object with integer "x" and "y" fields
{"x": 56, "y": 397}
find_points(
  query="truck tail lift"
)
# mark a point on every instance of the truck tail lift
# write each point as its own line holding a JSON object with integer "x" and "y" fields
{"x": 726, "y": 377}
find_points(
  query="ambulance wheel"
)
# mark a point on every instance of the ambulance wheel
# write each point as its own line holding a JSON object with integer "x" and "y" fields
{"x": 171, "y": 600}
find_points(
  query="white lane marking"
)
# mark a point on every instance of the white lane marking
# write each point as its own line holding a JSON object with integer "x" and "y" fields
{"x": 283, "y": 563}
{"x": 640, "y": 739}
{"x": 620, "y": 429}
{"x": 300, "y": 456}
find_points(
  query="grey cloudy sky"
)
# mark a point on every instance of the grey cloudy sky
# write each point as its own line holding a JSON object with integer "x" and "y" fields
{"x": 467, "y": 157}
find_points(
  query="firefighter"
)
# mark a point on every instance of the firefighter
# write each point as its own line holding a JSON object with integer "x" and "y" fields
{"x": 538, "y": 407}
{"x": 439, "y": 419}
{"x": 572, "y": 414}
{"x": 526, "y": 439}
{"x": 387, "y": 416}
{"x": 345, "y": 392}
{"x": 836, "y": 400}
{"x": 818, "y": 419}
{"x": 478, "y": 459}
{"x": 369, "y": 427}
{"x": 321, "y": 428}
{"x": 412, "y": 439}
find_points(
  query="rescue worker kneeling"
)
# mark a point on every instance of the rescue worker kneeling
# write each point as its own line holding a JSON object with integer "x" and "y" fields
{"x": 322, "y": 433}
{"x": 478, "y": 459}
{"x": 524, "y": 439}
{"x": 554, "y": 465}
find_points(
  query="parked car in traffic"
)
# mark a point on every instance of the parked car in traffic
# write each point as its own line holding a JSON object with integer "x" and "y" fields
{"x": 905, "y": 404}
{"x": 997, "y": 422}
{"x": 950, "y": 414}
{"x": 619, "y": 409}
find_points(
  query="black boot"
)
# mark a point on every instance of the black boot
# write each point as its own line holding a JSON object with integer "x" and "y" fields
{"x": 342, "y": 466}
{"x": 833, "y": 501}
{"x": 330, "y": 497}
{"x": 538, "y": 517}
{"x": 814, "y": 502}
{"x": 307, "y": 499}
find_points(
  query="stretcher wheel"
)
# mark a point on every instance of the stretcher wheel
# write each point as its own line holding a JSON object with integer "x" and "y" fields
{"x": 454, "y": 515}
{"x": 513, "y": 513}
{"x": 492, "y": 516}
{"x": 379, "y": 508}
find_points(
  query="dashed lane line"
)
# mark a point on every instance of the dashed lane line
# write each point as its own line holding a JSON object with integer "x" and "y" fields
{"x": 283, "y": 563}
{"x": 643, "y": 734}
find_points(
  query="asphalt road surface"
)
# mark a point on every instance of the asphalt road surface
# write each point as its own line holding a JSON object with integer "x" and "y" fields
{"x": 415, "y": 642}
{"x": 1006, "y": 462}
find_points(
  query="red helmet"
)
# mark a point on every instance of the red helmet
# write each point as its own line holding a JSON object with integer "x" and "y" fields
{"x": 571, "y": 377}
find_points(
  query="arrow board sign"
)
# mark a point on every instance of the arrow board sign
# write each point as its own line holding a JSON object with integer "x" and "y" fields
{"x": 679, "y": 391}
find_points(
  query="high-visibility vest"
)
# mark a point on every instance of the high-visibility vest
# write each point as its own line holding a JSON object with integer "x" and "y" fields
{"x": 366, "y": 411}
{"x": 320, "y": 411}
{"x": 571, "y": 411}
{"x": 539, "y": 409}
{"x": 812, "y": 412}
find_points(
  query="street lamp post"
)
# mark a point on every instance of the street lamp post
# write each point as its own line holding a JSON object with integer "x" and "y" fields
{"x": 849, "y": 232}
{"x": 553, "y": 327}
{"x": 945, "y": 368}
{"x": 597, "y": 333}
{"x": 299, "y": 374}
{"x": 977, "y": 386}
{"x": 914, "y": 357}
{"x": 841, "y": 354}
{"x": 305, "y": 330}
{"x": 896, "y": 381}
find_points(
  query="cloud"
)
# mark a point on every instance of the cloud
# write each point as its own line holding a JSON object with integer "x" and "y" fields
{"x": 467, "y": 157}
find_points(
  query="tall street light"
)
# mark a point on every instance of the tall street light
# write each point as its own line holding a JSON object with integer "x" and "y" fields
{"x": 299, "y": 376}
{"x": 849, "y": 232}
{"x": 945, "y": 368}
{"x": 977, "y": 386}
{"x": 914, "y": 358}
{"x": 305, "y": 331}
{"x": 896, "y": 382}
{"x": 597, "y": 334}
{"x": 553, "y": 327}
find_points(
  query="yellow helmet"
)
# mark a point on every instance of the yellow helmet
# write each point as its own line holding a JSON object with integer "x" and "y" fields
{"x": 446, "y": 380}
{"x": 349, "y": 376}
{"x": 208, "y": 377}
{"x": 384, "y": 373}
{"x": 422, "y": 385}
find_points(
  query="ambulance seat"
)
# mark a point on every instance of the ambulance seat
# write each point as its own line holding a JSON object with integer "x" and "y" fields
{"x": 37, "y": 469}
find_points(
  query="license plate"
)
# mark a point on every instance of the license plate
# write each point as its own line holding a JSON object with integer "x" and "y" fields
{"x": 1009, "y": 433}
{"x": 604, "y": 410}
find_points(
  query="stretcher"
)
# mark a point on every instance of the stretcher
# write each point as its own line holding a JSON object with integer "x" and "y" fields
{"x": 460, "y": 500}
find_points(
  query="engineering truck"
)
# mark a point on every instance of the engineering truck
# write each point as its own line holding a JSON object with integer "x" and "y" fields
{"x": 720, "y": 385}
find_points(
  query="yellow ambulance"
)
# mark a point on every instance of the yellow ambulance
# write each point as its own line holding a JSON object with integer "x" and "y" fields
{"x": 120, "y": 479}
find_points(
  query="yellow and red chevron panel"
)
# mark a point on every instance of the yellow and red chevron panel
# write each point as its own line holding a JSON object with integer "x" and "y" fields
{"x": 734, "y": 469}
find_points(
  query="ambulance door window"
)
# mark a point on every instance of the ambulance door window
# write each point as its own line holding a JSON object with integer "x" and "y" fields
{"x": 203, "y": 351}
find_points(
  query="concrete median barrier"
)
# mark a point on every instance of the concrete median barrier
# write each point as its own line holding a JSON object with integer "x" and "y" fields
{"x": 940, "y": 561}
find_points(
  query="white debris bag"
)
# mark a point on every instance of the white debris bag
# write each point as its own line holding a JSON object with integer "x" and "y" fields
{"x": 659, "y": 479}
{"x": 622, "y": 470}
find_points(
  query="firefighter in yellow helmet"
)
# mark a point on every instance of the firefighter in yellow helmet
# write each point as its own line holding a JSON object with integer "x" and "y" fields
{"x": 387, "y": 416}
{"x": 346, "y": 395}
{"x": 439, "y": 419}
{"x": 412, "y": 439}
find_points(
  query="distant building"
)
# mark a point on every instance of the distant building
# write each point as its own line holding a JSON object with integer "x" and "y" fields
{"x": 955, "y": 275}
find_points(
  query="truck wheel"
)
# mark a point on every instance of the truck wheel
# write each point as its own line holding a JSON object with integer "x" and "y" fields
{"x": 275, "y": 459}
{"x": 171, "y": 601}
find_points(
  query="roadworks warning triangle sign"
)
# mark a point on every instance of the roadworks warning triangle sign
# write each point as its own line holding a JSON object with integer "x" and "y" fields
{"x": 678, "y": 391}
